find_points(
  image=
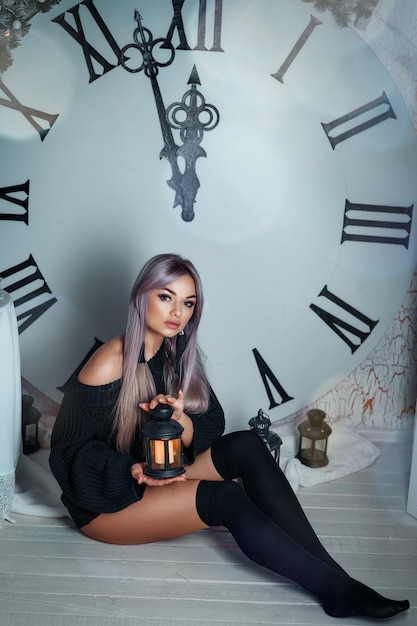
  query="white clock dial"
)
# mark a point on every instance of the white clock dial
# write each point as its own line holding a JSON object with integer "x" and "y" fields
{"x": 303, "y": 229}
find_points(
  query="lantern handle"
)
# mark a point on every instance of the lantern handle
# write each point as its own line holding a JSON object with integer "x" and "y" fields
{"x": 161, "y": 412}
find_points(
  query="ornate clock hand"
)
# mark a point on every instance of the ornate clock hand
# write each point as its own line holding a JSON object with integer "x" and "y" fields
{"x": 146, "y": 44}
{"x": 199, "y": 117}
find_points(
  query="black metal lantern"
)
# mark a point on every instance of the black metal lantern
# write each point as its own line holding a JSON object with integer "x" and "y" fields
{"x": 163, "y": 444}
{"x": 260, "y": 424}
{"x": 30, "y": 425}
{"x": 314, "y": 433}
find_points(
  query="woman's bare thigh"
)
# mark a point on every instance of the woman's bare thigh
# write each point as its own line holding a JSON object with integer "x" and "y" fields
{"x": 203, "y": 468}
{"x": 163, "y": 513}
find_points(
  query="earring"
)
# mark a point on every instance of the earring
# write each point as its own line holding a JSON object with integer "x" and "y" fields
{"x": 181, "y": 333}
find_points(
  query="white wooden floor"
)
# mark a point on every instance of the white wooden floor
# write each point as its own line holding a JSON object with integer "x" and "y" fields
{"x": 51, "y": 575}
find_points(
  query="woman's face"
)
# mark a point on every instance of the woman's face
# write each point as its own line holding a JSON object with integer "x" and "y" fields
{"x": 170, "y": 308}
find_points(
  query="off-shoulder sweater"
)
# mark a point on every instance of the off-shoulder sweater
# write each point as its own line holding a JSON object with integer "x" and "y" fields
{"x": 94, "y": 477}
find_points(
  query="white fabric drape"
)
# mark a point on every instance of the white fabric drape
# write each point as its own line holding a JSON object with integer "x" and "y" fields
{"x": 347, "y": 450}
{"x": 10, "y": 403}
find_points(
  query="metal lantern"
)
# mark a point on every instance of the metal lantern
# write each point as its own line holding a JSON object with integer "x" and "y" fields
{"x": 260, "y": 424}
{"x": 314, "y": 433}
{"x": 30, "y": 425}
{"x": 163, "y": 444}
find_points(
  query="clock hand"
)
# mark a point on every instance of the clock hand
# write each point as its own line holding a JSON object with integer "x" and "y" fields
{"x": 199, "y": 117}
{"x": 146, "y": 46}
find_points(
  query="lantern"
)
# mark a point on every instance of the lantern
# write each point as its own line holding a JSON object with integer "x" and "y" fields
{"x": 314, "y": 433}
{"x": 260, "y": 424}
{"x": 30, "y": 425}
{"x": 163, "y": 444}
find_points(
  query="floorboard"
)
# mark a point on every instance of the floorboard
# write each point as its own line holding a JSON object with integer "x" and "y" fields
{"x": 51, "y": 575}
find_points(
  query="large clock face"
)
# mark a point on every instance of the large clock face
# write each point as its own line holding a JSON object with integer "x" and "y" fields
{"x": 263, "y": 142}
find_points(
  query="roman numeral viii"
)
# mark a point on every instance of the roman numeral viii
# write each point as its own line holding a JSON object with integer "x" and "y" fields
{"x": 26, "y": 282}
{"x": 18, "y": 198}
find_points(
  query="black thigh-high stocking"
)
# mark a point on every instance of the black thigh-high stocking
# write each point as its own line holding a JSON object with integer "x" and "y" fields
{"x": 243, "y": 455}
{"x": 225, "y": 503}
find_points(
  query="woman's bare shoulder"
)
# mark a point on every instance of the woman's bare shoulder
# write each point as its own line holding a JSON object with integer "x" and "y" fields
{"x": 105, "y": 365}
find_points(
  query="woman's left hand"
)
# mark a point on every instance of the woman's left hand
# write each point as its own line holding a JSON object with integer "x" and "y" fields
{"x": 178, "y": 415}
{"x": 176, "y": 403}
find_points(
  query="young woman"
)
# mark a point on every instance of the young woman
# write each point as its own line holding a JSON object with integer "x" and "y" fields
{"x": 97, "y": 452}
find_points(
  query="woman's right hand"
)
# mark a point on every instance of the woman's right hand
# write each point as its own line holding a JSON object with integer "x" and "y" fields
{"x": 138, "y": 473}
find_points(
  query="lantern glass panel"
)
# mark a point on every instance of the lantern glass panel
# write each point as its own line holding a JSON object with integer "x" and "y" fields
{"x": 313, "y": 452}
{"x": 165, "y": 454}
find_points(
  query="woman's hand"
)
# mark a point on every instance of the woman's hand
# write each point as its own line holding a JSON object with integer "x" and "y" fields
{"x": 178, "y": 415}
{"x": 138, "y": 473}
{"x": 177, "y": 404}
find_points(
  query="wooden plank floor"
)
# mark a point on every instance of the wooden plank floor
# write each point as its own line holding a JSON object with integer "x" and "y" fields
{"x": 51, "y": 575}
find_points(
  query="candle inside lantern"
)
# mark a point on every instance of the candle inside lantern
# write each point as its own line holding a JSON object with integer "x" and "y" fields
{"x": 159, "y": 451}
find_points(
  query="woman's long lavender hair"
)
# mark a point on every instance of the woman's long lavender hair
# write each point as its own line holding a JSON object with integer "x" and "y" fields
{"x": 137, "y": 382}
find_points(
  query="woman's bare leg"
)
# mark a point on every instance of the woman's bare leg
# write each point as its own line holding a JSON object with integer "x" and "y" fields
{"x": 203, "y": 468}
{"x": 163, "y": 513}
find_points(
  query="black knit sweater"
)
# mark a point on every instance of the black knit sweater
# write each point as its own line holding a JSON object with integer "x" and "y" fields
{"x": 94, "y": 477}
